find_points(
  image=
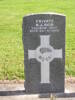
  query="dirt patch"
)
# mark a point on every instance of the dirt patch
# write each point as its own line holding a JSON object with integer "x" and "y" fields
{"x": 11, "y": 81}
{"x": 68, "y": 80}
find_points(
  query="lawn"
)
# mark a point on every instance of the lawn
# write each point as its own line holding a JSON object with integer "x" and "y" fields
{"x": 11, "y": 47}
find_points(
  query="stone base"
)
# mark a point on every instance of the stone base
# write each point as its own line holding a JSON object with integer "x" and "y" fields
{"x": 17, "y": 92}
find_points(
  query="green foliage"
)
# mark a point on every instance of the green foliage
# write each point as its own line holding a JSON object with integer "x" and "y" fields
{"x": 11, "y": 47}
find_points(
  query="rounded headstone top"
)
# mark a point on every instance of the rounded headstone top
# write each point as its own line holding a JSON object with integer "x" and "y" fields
{"x": 47, "y": 13}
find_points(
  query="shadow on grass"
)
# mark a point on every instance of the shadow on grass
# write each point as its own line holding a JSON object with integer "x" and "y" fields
{"x": 12, "y": 93}
{"x": 45, "y": 95}
{"x": 58, "y": 95}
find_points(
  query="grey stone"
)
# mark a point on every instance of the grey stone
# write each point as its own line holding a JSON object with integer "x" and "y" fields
{"x": 44, "y": 53}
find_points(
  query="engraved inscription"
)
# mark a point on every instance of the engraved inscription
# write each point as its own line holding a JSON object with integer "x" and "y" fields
{"x": 44, "y": 26}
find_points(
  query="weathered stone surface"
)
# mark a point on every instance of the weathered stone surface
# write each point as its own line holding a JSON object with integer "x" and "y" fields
{"x": 44, "y": 52}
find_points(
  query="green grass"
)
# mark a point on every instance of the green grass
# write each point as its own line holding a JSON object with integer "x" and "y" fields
{"x": 11, "y": 47}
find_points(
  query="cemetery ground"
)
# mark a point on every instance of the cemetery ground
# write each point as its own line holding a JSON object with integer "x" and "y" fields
{"x": 11, "y": 47}
{"x": 14, "y": 90}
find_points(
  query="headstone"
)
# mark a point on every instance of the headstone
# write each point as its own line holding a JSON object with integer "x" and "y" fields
{"x": 44, "y": 52}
